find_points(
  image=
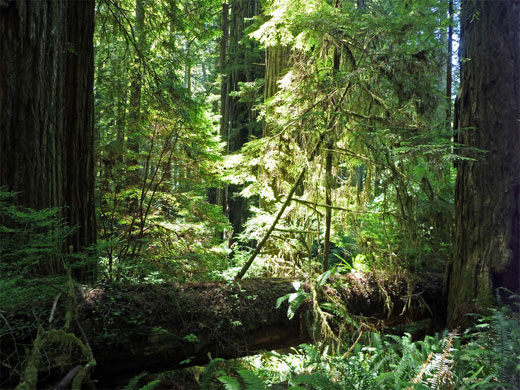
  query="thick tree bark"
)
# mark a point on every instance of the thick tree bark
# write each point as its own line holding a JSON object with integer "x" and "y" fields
{"x": 46, "y": 100}
{"x": 32, "y": 120}
{"x": 487, "y": 238}
{"x": 79, "y": 124}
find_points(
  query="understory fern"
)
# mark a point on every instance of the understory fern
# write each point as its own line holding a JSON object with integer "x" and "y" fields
{"x": 437, "y": 372}
{"x": 209, "y": 373}
{"x": 485, "y": 358}
{"x": 499, "y": 339}
{"x": 134, "y": 383}
{"x": 317, "y": 380}
{"x": 252, "y": 381}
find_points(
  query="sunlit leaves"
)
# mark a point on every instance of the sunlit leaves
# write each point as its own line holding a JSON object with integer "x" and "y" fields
{"x": 368, "y": 79}
{"x": 158, "y": 147}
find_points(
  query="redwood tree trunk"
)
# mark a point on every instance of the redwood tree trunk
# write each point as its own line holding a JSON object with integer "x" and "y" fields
{"x": 32, "y": 68}
{"x": 239, "y": 63}
{"x": 79, "y": 123}
{"x": 46, "y": 106}
{"x": 487, "y": 238}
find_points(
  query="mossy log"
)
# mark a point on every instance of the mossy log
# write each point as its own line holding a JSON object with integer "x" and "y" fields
{"x": 159, "y": 327}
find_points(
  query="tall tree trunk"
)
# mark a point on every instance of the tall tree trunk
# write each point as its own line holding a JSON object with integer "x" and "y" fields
{"x": 32, "y": 115}
{"x": 237, "y": 120}
{"x": 449, "y": 67}
{"x": 329, "y": 179}
{"x": 487, "y": 200}
{"x": 46, "y": 107}
{"x": 135, "y": 116}
{"x": 242, "y": 119}
{"x": 224, "y": 96}
{"x": 79, "y": 124}
{"x": 276, "y": 63}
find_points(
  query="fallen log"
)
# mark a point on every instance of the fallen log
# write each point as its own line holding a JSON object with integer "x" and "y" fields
{"x": 158, "y": 327}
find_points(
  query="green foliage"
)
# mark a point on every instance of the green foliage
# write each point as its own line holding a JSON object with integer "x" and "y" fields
{"x": 318, "y": 381}
{"x": 496, "y": 342}
{"x": 158, "y": 147}
{"x": 294, "y": 300}
{"x": 134, "y": 383}
{"x": 251, "y": 380}
{"x": 367, "y": 82}
{"x": 230, "y": 383}
{"x": 32, "y": 240}
{"x": 211, "y": 369}
{"x": 484, "y": 358}
{"x": 34, "y": 265}
{"x": 35, "y": 269}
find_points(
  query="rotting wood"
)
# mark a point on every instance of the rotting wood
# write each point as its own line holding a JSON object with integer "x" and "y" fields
{"x": 158, "y": 327}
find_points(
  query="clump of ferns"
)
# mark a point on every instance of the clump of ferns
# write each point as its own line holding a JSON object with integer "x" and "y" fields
{"x": 488, "y": 359}
{"x": 505, "y": 327}
{"x": 436, "y": 372}
{"x": 495, "y": 344}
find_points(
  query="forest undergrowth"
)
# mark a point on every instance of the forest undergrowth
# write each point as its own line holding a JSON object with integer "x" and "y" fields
{"x": 484, "y": 357}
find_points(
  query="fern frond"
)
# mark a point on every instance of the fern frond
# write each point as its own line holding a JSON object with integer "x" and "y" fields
{"x": 209, "y": 373}
{"x": 422, "y": 371}
{"x": 253, "y": 382}
{"x": 441, "y": 366}
{"x": 133, "y": 384}
{"x": 229, "y": 382}
{"x": 505, "y": 330}
{"x": 317, "y": 381}
{"x": 151, "y": 385}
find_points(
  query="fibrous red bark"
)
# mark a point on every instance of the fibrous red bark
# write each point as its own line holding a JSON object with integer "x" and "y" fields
{"x": 487, "y": 198}
{"x": 46, "y": 112}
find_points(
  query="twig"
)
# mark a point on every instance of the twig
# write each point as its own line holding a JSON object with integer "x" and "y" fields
{"x": 353, "y": 345}
{"x": 13, "y": 369}
{"x": 273, "y": 225}
{"x": 67, "y": 379}
{"x": 54, "y": 305}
